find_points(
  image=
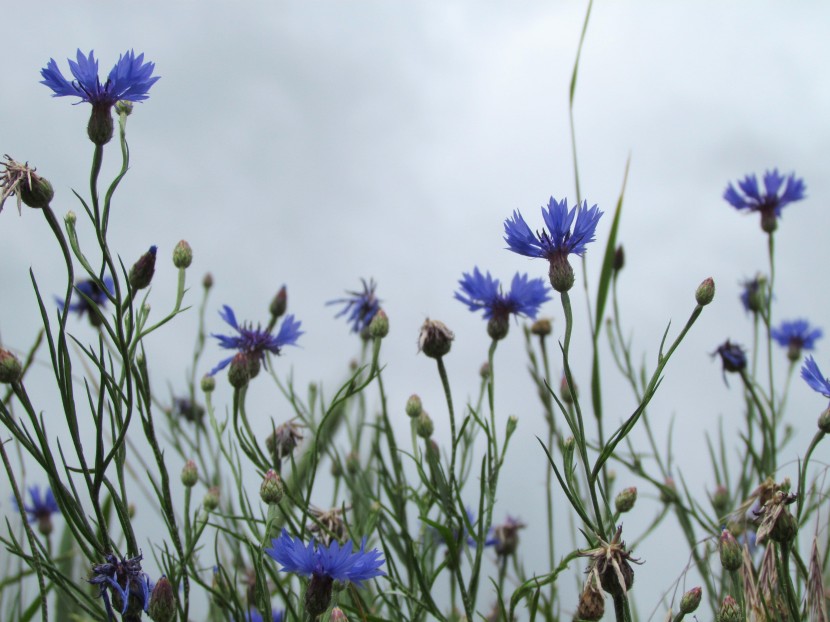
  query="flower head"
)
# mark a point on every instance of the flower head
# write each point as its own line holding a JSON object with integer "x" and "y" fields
{"x": 252, "y": 342}
{"x": 255, "y": 616}
{"x": 41, "y": 508}
{"x": 754, "y": 295}
{"x": 359, "y": 307}
{"x": 506, "y": 536}
{"x": 796, "y": 336}
{"x": 23, "y": 182}
{"x": 732, "y": 356}
{"x": 91, "y": 297}
{"x": 609, "y": 565}
{"x": 812, "y": 376}
{"x": 325, "y": 564}
{"x": 130, "y": 79}
{"x": 481, "y": 291}
{"x": 560, "y": 241}
{"x": 779, "y": 191}
{"x": 435, "y": 339}
{"x": 122, "y": 580}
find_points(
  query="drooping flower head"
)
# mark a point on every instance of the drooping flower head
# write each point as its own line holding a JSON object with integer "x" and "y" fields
{"x": 89, "y": 299}
{"x": 796, "y": 336}
{"x": 732, "y": 356}
{"x": 122, "y": 584}
{"x": 41, "y": 508}
{"x": 252, "y": 343}
{"x": 359, "y": 307}
{"x": 130, "y": 79}
{"x": 558, "y": 241}
{"x": 325, "y": 564}
{"x": 779, "y": 191}
{"x": 25, "y": 184}
{"x": 481, "y": 291}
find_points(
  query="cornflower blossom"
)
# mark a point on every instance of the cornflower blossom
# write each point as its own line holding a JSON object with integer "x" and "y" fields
{"x": 754, "y": 295}
{"x": 359, "y": 307}
{"x": 41, "y": 508}
{"x": 796, "y": 336}
{"x": 130, "y": 79}
{"x": 121, "y": 579}
{"x": 91, "y": 297}
{"x": 255, "y": 616}
{"x": 252, "y": 343}
{"x": 325, "y": 564}
{"x": 481, "y": 291}
{"x": 814, "y": 378}
{"x": 559, "y": 242}
{"x": 771, "y": 201}
{"x": 732, "y": 356}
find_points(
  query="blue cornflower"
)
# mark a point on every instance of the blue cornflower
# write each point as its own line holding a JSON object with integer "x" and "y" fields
{"x": 771, "y": 201}
{"x": 252, "y": 343}
{"x": 90, "y": 299}
{"x": 129, "y": 80}
{"x": 360, "y": 307}
{"x": 812, "y": 376}
{"x": 255, "y": 616}
{"x": 123, "y": 580}
{"x": 559, "y": 242}
{"x": 732, "y": 356}
{"x": 481, "y": 291}
{"x": 754, "y": 295}
{"x": 41, "y": 509}
{"x": 325, "y": 564}
{"x": 796, "y": 336}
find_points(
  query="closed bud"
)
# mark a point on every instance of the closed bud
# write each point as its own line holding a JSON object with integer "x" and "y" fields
{"x": 37, "y": 193}
{"x": 190, "y": 474}
{"x": 691, "y": 600}
{"x": 182, "y": 255}
{"x": 208, "y": 383}
{"x": 541, "y": 327}
{"x": 352, "y": 463}
{"x": 731, "y": 557}
{"x": 211, "y": 500}
{"x": 484, "y": 370}
{"x": 668, "y": 492}
{"x": 413, "y": 406}
{"x": 207, "y": 280}
{"x": 824, "y": 421}
{"x": 142, "y": 271}
{"x": 11, "y": 370}
{"x": 561, "y": 273}
{"x": 70, "y": 219}
{"x": 279, "y": 304}
{"x": 337, "y": 615}
{"x": 730, "y": 611}
{"x": 785, "y": 527}
{"x": 379, "y": 326}
{"x": 705, "y": 292}
{"x": 625, "y": 499}
{"x": 272, "y": 489}
{"x": 162, "y": 606}
{"x": 569, "y": 394}
{"x": 498, "y": 326}
{"x": 239, "y": 371}
{"x": 619, "y": 258}
{"x": 512, "y": 423}
{"x": 424, "y": 426}
{"x": 336, "y": 469}
{"x": 720, "y": 501}
{"x": 123, "y": 108}
{"x": 435, "y": 339}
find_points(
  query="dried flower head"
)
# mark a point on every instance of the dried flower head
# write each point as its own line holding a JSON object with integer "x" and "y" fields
{"x": 120, "y": 581}
{"x": 25, "y": 184}
{"x": 329, "y": 524}
{"x": 282, "y": 442}
{"x": 609, "y": 564}
{"x": 435, "y": 339}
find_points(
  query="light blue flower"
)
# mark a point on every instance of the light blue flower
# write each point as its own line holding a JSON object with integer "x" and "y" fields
{"x": 779, "y": 191}
{"x": 812, "y": 376}
{"x": 796, "y": 336}
{"x": 482, "y": 291}
{"x": 359, "y": 307}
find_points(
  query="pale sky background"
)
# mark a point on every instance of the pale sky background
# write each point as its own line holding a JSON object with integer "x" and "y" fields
{"x": 312, "y": 144}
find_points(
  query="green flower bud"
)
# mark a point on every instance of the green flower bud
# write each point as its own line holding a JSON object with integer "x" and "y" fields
{"x": 731, "y": 557}
{"x": 690, "y": 600}
{"x": 625, "y": 499}
{"x": 208, "y": 383}
{"x": 211, "y": 500}
{"x": 379, "y": 326}
{"x": 142, "y": 271}
{"x": 207, "y": 280}
{"x": 123, "y": 108}
{"x": 337, "y": 615}
{"x": 279, "y": 304}
{"x": 705, "y": 292}
{"x": 10, "y": 368}
{"x": 512, "y": 423}
{"x": 720, "y": 501}
{"x": 424, "y": 426}
{"x": 824, "y": 421}
{"x": 730, "y": 611}
{"x": 413, "y": 406}
{"x": 182, "y": 255}
{"x": 542, "y": 327}
{"x": 37, "y": 194}
{"x": 190, "y": 474}
{"x": 353, "y": 463}
{"x": 162, "y": 607}
{"x": 272, "y": 489}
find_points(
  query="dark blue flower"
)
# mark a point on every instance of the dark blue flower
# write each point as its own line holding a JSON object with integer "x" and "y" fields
{"x": 481, "y": 291}
{"x": 360, "y": 307}
{"x": 90, "y": 297}
{"x": 130, "y": 79}
{"x": 41, "y": 507}
{"x": 732, "y": 356}
{"x": 123, "y": 580}
{"x": 779, "y": 191}
{"x": 255, "y": 616}
{"x": 255, "y": 342}
{"x": 796, "y": 336}
{"x": 559, "y": 241}
{"x": 812, "y": 376}
{"x": 341, "y": 563}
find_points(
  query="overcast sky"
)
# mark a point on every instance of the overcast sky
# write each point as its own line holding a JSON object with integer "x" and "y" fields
{"x": 312, "y": 144}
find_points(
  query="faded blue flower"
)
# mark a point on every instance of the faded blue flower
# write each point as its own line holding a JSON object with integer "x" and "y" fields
{"x": 732, "y": 356}
{"x": 796, "y": 336}
{"x": 130, "y": 79}
{"x": 779, "y": 191}
{"x": 359, "y": 307}
{"x": 482, "y": 291}
{"x": 255, "y": 342}
{"x": 568, "y": 232}
{"x": 120, "y": 579}
{"x": 812, "y": 376}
